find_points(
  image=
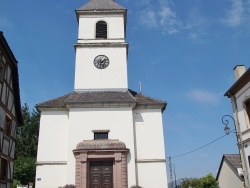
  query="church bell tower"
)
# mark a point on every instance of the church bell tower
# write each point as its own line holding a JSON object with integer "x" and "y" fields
{"x": 102, "y": 134}
{"x": 101, "y": 50}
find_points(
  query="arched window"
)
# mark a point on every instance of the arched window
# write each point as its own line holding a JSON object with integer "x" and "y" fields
{"x": 101, "y": 30}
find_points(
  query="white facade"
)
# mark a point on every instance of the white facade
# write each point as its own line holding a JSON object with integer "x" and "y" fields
{"x": 101, "y": 102}
{"x": 240, "y": 94}
{"x": 87, "y": 77}
{"x": 116, "y": 29}
{"x": 61, "y": 131}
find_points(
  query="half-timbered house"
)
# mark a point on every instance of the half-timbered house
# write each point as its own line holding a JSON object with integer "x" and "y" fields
{"x": 10, "y": 111}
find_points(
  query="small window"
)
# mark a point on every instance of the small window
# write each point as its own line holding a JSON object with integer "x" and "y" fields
{"x": 7, "y": 126}
{"x": 101, "y": 30}
{"x": 4, "y": 169}
{"x": 100, "y": 134}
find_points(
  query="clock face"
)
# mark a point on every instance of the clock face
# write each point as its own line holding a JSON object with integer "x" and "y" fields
{"x": 101, "y": 61}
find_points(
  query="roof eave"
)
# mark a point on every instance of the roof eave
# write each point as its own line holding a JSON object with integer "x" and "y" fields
{"x": 161, "y": 106}
{"x": 100, "y": 11}
{"x": 101, "y": 105}
{"x": 239, "y": 84}
{"x": 51, "y": 108}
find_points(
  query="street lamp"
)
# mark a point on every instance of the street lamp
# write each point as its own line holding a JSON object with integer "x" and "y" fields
{"x": 225, "y": 121}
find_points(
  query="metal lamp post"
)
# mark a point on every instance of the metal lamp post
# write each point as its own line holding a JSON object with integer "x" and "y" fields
{"x": 225, "y": 121}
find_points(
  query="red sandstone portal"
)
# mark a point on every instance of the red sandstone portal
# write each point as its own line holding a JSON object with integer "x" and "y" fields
{"x": 101, "y": 152}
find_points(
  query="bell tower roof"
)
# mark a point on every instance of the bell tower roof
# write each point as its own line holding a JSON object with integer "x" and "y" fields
{"x": 101, "y": 5}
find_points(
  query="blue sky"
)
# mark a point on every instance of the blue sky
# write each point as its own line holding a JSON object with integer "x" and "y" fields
{"x": 183, "y": 52}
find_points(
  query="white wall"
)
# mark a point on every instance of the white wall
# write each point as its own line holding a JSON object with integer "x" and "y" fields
{"x": 87, "y": 26}
{"x": 241, "y": 96}
{"x": 52, "y": 148}
{"x": 118, "y": 120}
{"x": 152, "y": 175}
{"x": 50, "y": 176}
{"x": 61, "y": 131}
{"x": 227, "y": 178}
{"x": 150, "y": 147}
{"x": 88, "y": 77}
{"x": 244, "y": 123}
{"x": 149, "y": 134}
{"x": 53, "y": 136}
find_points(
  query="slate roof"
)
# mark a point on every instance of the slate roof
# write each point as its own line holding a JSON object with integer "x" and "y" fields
{"x": 101, "y": 5}
{"x": 104, "y": 97}
{"x": 234, "y": 161}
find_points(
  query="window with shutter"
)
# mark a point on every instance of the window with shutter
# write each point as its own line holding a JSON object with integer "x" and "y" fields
{"x": 101, "y": 30}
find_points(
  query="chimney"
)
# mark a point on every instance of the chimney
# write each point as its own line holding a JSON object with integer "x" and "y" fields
{"x": 239, "y": 70}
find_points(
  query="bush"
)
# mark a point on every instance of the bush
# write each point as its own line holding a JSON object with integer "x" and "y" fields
{"x": 15, "y": 183}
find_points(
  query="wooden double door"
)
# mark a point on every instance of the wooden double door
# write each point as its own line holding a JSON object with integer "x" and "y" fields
{"x": 101, "y": 174}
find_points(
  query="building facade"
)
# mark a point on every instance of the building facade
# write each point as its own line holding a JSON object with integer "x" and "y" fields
{"x": 102, "y": 134}
{"x": 239, "y": 93}
{"x": 230, "y": 172}
{"x": 10, "y": 111}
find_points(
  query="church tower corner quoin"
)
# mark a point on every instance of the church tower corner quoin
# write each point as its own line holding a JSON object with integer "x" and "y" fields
{"x": 98, "y": 135}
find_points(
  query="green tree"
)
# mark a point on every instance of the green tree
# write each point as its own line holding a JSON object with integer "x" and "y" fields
{"x": 25, "y": 169}
{"x": 191, "y": 182}
{"x": 26, "y": 147}
{"x": 208, "y": 181}
{"x": 27, "y": 135}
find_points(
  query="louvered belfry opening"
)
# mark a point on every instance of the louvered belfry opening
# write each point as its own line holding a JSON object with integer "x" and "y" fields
{"x": 101, "y": 30}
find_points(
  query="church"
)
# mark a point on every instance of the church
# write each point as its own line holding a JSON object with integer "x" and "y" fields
{"x": 102, "y": 134}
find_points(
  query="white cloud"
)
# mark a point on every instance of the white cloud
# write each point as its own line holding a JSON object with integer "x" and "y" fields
{"x": 203, "y": 96}
{"x": 148, "y": 18}
{"x": 168, "y": 20}
{"x": 162, "y": 17}
{"x": 238, "y": 14}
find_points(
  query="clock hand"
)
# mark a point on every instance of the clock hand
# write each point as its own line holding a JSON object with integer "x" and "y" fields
{"x": 102, "y": 61}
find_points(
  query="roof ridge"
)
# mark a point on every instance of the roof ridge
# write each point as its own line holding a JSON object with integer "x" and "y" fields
{"x": 101, "y": 5}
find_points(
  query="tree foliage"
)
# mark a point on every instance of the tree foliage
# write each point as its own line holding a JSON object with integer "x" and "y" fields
{"x": 27, "y": 135}
{"x": 207, "y": 181}
{"x": 26, "y": 147}
{"x": 25, "y": 169}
